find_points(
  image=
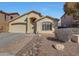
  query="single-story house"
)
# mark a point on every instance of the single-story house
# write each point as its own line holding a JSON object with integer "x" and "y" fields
{"x": 33, "y": 22}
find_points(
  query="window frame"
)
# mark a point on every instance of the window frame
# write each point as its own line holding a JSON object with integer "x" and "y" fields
{"x": 46, "y": 26}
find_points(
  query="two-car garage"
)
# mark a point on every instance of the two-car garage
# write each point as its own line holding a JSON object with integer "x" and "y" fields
{"x": 18, "y": 28}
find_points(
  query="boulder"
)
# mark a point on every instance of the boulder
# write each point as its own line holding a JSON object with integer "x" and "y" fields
{"x": 75, "y": 38}
{"x": 59, "y": 46}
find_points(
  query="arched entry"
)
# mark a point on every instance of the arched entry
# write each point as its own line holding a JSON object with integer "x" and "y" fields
{"x": 32, "y": 21}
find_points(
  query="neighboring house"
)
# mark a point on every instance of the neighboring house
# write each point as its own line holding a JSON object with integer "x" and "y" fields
{"x": 33, "y": 22}
{"x": 67, "y": 20}
{"x": 4, "y": 18}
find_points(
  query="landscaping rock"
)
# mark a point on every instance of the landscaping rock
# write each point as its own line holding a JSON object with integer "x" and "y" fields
{"x": 75, "y": 38}
{"x": 59, "y": 46}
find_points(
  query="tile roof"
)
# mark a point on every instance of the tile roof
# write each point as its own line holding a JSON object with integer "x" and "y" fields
{"x": 27, "y": 14}
{"x": 9, "y": 13}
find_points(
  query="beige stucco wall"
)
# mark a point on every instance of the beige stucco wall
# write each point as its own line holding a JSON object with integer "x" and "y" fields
{"x": 30, "y": 29}
{"x": 18, "y": 28}
{"x": 39, "y": 26}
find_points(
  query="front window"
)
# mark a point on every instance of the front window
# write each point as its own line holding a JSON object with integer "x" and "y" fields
{"x": 46, "y": 26}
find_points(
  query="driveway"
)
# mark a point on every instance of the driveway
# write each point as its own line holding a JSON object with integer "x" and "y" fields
{"x": 11, "y": 43}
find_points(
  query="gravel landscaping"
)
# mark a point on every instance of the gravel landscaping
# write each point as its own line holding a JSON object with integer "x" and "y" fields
{"x": 46, "y": 48}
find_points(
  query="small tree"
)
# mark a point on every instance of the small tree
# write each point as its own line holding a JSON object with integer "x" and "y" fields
{"x": 73, "y": 9}
{"x": 69, "y": 8}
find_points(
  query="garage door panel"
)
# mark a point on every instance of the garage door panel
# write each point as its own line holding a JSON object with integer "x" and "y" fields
{"x": 18, "y": 28}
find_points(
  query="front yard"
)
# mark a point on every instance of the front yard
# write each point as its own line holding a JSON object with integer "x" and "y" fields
{"x": 43, "y": 46}
{"x": 34, "y": 45}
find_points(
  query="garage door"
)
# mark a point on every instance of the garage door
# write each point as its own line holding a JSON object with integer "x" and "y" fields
{"x": 18, "y": 28}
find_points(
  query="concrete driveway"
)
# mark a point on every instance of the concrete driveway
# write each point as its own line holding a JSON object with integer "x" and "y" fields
{"x": 11, "y": 43}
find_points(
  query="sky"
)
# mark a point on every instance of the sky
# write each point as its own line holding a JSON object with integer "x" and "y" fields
{"x": 54, "y": 9}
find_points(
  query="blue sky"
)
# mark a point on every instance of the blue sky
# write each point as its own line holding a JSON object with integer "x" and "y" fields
{"x": 54, "y": 9}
